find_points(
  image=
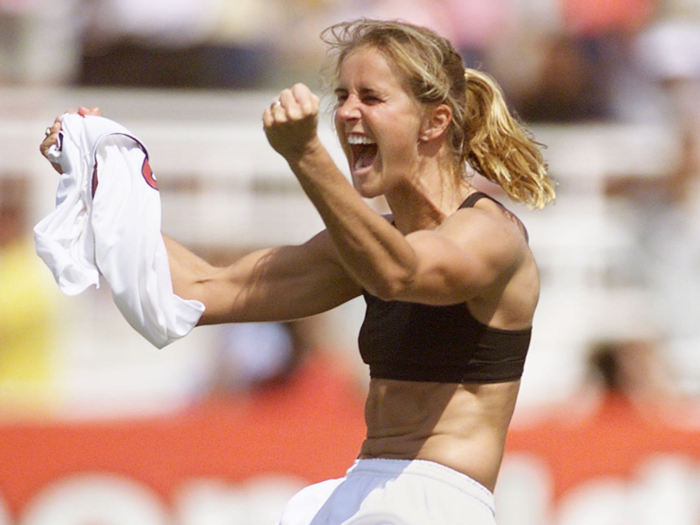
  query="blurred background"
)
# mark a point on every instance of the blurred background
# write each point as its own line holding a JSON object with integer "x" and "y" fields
{"x": 99, "y": 428}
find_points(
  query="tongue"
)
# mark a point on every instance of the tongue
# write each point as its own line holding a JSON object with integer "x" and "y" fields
{"x": 366, "y": 157}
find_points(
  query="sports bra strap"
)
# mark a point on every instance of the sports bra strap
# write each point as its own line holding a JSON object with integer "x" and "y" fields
{"x": 474, "y": 198}
{"x": 470, "y": 201}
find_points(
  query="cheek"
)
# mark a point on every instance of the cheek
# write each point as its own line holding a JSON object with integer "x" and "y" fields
{"x": 337, "y": 122}
{"x": 402, "y": 132}
{"x": 342, "y": 142}
{"x": 400, "y": 150}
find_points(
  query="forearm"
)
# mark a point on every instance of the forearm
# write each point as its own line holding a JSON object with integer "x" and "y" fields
{"x": 187, "y": 270}
{"x": 216, "y": 288}
{"x": 374, "y": 253}
{"x": 371, "y": 249}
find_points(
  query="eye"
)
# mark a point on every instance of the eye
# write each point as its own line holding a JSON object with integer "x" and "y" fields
{"x": 340, "y": 97}
{"x": 371, "y": 100}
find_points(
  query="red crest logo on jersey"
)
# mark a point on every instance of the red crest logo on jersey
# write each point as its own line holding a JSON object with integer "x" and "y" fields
{"x": 148, "y": 175}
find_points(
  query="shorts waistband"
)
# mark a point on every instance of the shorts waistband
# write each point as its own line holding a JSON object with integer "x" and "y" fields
{"x": 421, "y": 467}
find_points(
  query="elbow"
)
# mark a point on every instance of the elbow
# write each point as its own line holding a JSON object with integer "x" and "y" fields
{"x": 392, "y": 287}
{"x": 195, "y": 286}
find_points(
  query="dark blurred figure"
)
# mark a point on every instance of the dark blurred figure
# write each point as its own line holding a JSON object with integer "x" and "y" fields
{"x": 631, "y": 371}
{"x": 582, "y": 60}
{"x": 188, "y": 44}
{"x": 253, "y": 357}
{"x": 571, "y": 86}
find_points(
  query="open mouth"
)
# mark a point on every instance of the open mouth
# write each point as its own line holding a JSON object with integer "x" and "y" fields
{"x": 363, "y": 149}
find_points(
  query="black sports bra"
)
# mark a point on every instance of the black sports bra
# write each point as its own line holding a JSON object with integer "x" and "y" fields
{"x": 418, "y": 342}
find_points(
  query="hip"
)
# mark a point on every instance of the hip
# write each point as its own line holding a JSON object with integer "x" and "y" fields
{"x": 393, "y": 492}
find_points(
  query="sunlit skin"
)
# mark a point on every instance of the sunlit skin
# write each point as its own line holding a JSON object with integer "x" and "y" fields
{"x": 433, "y": 254}
{"x": 410, "y": 161}
{"x": 459, "y": 425}
{"x": 372, "y": 103}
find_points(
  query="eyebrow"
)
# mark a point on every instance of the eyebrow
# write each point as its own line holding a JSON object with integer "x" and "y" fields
{"x": 363, "y": 91}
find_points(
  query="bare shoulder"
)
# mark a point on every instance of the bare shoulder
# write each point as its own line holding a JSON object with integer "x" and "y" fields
{"x": 488, "y": 229}
{"x": 499, "y": 239}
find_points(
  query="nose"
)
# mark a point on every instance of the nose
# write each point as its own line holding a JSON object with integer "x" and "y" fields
{"x": 348, "y": 109}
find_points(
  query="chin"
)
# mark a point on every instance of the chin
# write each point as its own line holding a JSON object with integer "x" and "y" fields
{"x": 366, "y": 191}
{"x": 364, "y": 188}
{"x": 368, "y": 184}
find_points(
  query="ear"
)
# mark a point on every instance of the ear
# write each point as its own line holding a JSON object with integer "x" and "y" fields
{"x": 436, "y": 122}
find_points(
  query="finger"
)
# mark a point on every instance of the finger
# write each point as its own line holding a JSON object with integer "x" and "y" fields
{"x": 277, "y": 110}
{"x": 51, "y": 132}
{"x": 275, "y": 102}
{"x": 286, "y": 96}
{"x": 291, "y": 104}
{"x": 85, "y": 111}
{"x": 274, "y": 113}
{"x": 56, "y": 126}
{"x": 301, "y": 92}
{"x": 48, "y": 141}
{"x": 268, "y": 119}
{"x": 306, "y": 99}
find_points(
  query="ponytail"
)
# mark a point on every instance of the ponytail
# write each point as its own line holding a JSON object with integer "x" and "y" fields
{"x": 501, "y": 148}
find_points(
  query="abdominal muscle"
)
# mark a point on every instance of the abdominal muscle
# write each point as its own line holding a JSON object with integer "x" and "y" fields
{"x": 461, "y": 426}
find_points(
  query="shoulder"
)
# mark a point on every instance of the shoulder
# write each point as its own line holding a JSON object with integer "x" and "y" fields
{"x": 490, "y": 230}
{"x": 487, "y": 218}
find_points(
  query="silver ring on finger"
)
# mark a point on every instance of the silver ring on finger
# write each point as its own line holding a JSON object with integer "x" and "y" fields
{"x": 47, "y": 132}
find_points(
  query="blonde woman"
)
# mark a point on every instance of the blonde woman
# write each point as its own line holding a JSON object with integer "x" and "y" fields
{"x": 450, "y": 283}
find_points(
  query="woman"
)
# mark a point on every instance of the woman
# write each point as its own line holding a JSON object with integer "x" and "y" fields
{"x": 450, "y": 283}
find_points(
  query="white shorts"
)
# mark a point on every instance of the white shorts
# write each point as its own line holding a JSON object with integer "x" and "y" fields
{"x": 393, "y": 492}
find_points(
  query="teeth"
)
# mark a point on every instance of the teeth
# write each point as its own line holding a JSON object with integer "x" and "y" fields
{"x": 359, "y": 139}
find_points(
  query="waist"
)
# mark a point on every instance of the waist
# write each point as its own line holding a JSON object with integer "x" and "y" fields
{"x": 461, "y": 426}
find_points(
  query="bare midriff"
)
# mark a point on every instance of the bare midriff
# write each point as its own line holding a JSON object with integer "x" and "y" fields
{"x": 461, "y": 426}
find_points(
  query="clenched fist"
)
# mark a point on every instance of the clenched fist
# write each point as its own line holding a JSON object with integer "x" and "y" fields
{"x": 291, "y": 122}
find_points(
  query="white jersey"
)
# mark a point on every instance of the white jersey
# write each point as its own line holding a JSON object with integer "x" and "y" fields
{"x": 107, "y": 223}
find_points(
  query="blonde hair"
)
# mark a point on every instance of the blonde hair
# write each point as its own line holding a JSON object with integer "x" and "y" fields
{"x": 483, "y": 133}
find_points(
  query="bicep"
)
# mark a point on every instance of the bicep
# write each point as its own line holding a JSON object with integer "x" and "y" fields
{"x": 278, "y": 284}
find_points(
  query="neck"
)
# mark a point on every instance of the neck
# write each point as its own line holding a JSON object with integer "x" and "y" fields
{"x": 424, "y": 206}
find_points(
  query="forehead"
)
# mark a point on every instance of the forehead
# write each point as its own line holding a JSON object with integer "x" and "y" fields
{"x": 369, "y": 65}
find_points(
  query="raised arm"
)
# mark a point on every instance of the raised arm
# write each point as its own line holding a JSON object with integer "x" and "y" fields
{"x": 467, "y": 256}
